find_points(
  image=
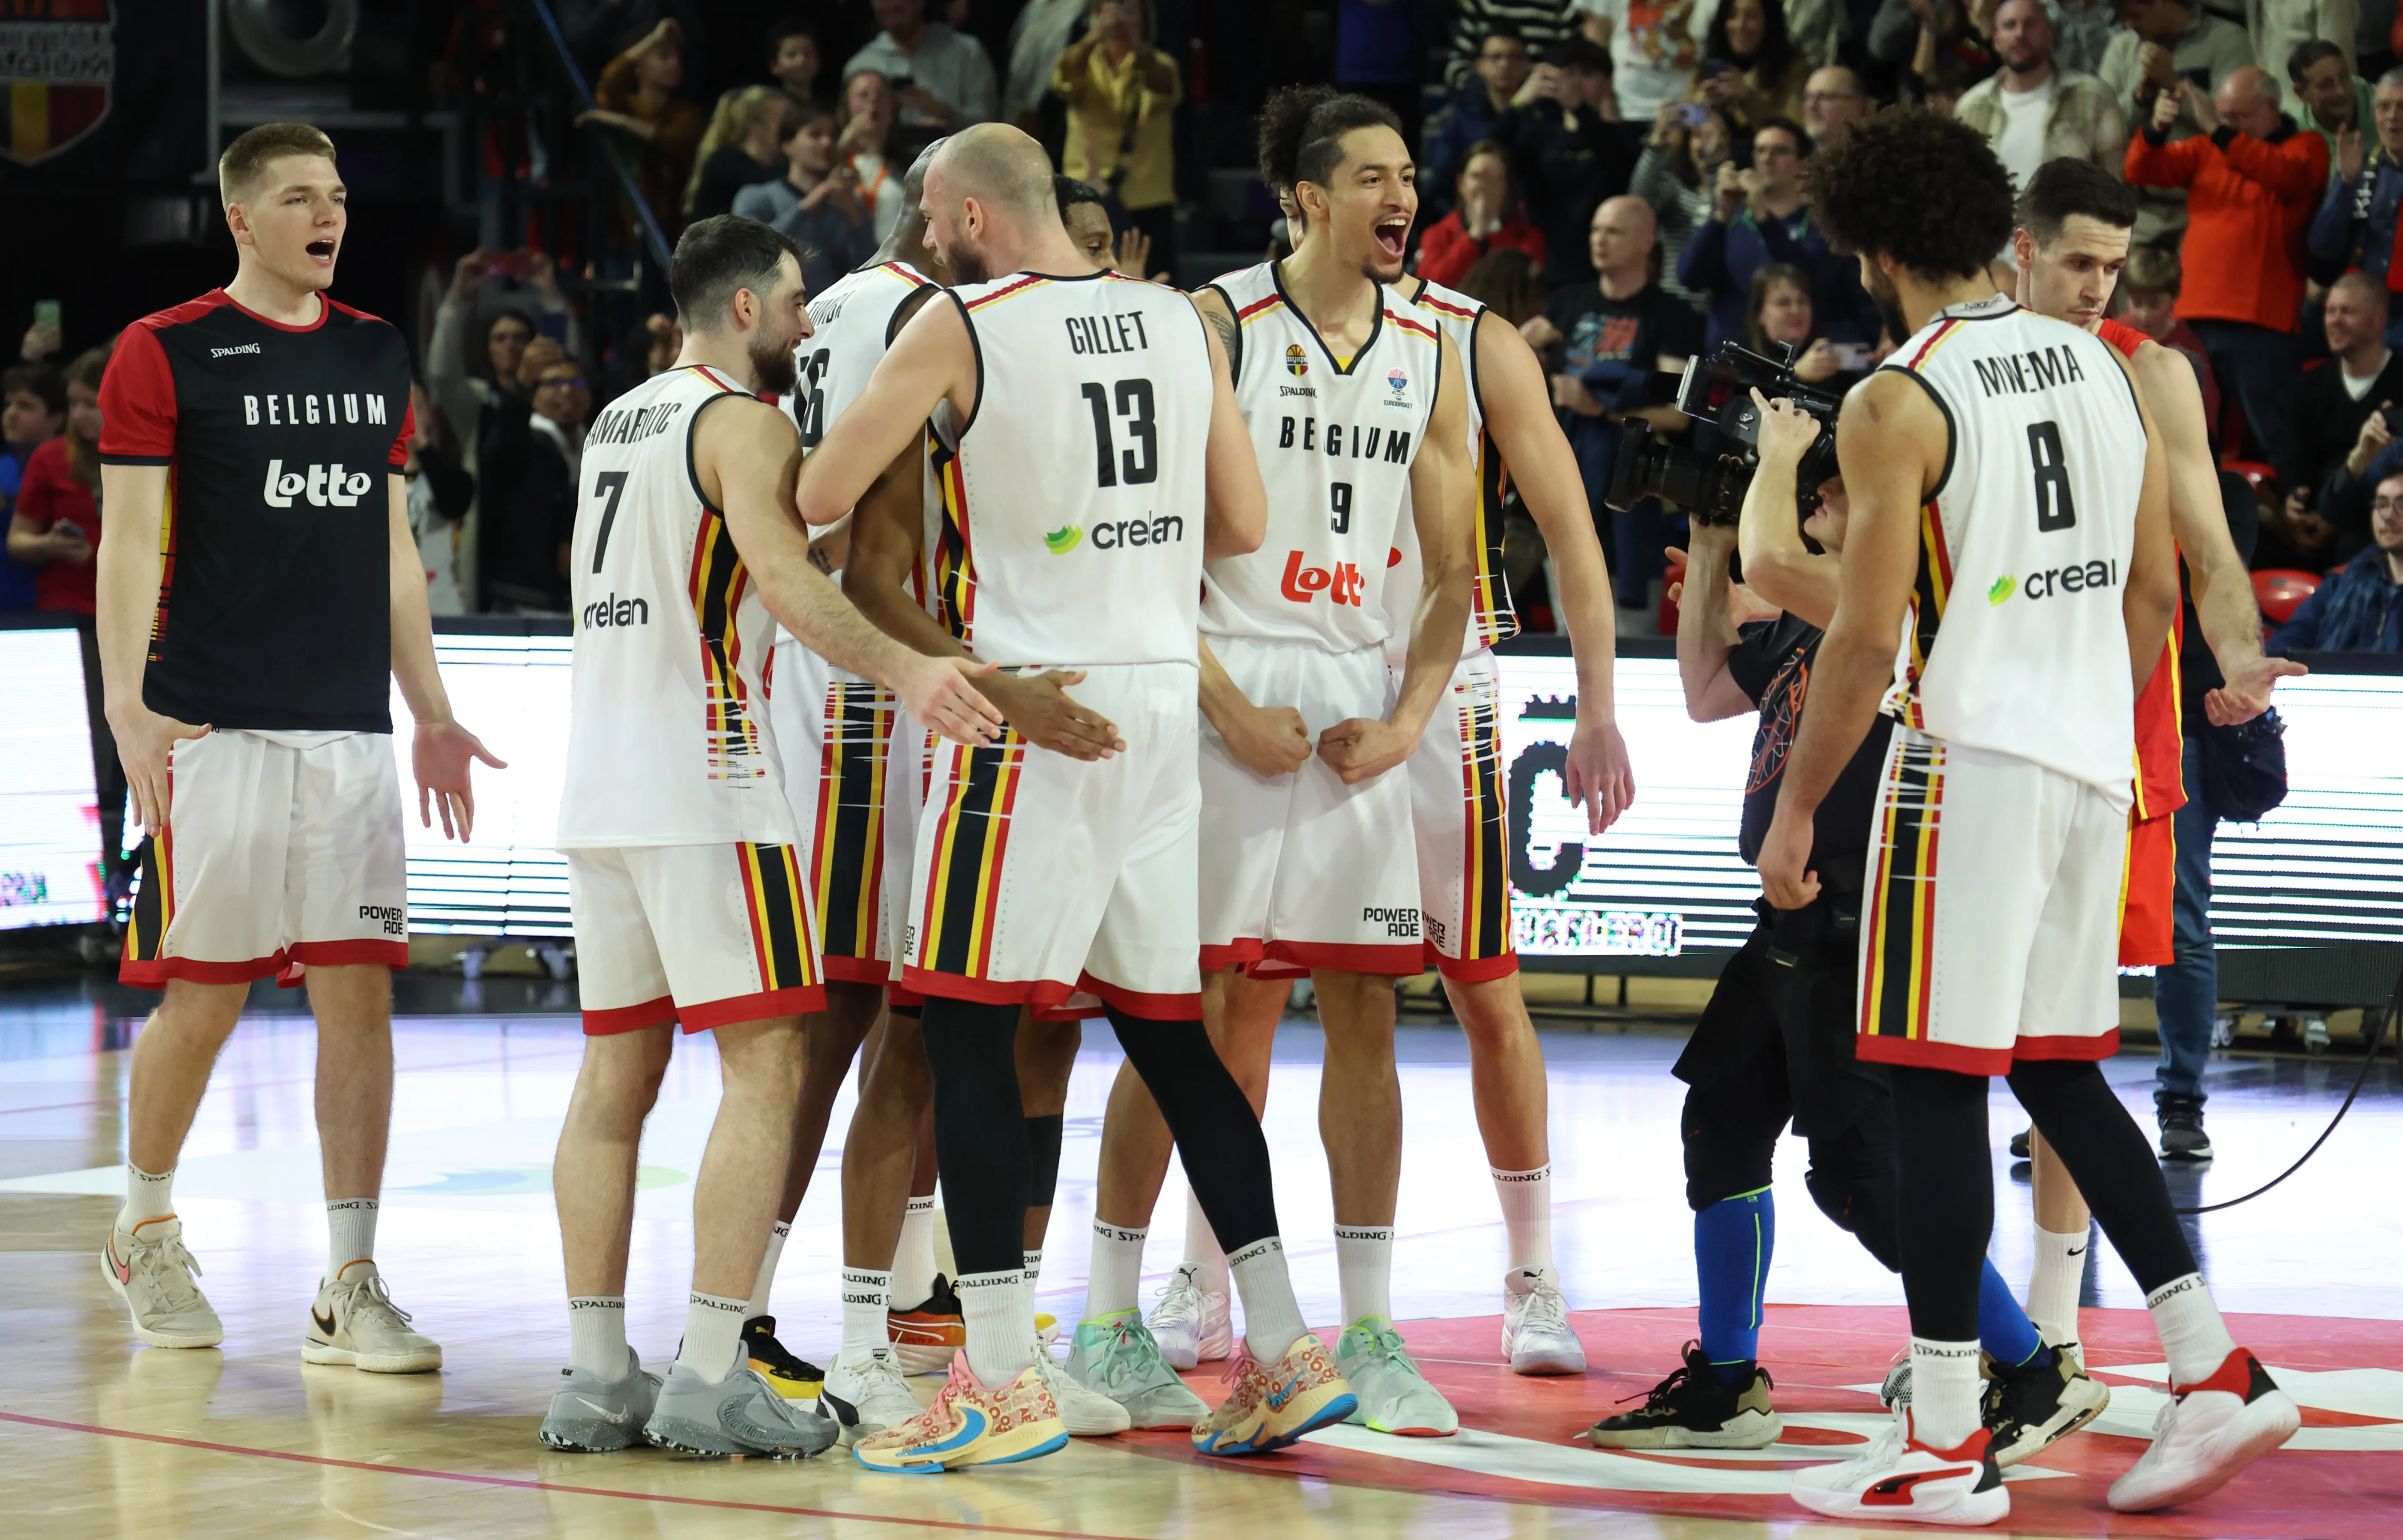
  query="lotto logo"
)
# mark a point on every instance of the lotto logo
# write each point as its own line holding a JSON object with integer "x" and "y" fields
{"x": 1344, "y": 586}
{"x": 325, "y": 486}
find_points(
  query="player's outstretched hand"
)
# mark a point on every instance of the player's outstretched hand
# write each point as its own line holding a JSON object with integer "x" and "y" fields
{"x": 441, "y": 757}
{"x": 1364, "y": 747}
{"x": 1784, "y": 855}
{"x": 1598, "y": 776}
{"x": 1268, "y": 741}
{"x": 938, "y": 693}
{"x": 1038, "y": 708}
{"x": 2246, "y": 693}
{"x": 145, "y": 740}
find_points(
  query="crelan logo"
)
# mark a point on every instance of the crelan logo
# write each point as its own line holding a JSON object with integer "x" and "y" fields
{"x": 1063, "y": 539}
{"x": 2003, "y": 588}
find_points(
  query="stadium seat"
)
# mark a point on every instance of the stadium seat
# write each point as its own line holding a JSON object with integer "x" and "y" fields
{"x": 2281, "y": 591}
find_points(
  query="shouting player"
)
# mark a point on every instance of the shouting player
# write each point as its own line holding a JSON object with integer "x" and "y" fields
{"x": 1037, "y": 872}
{"x": 691, "y": 898}
{"x": 2005, "y": 528}
{"x": 254, "y": 436}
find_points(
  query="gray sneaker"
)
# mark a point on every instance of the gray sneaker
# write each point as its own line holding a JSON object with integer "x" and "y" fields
{"x": 152, "y": 1273}
{"x": 1116, "y": 1356}
{"x": 740, "y": 1414}
{"x": 589, "y": 1415}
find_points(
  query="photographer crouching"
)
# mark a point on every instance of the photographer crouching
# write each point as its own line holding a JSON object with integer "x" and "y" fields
{"x": 1775, "y": 1043}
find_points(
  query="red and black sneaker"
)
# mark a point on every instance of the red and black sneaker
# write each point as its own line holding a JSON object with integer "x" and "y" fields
{"x": 1898, "y": 1477}
{"x": 2206, "y": 1433}
{"x": 926, "y": 1336}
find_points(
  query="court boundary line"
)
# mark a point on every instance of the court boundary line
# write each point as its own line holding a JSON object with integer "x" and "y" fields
{"x": 528, "y": 1484}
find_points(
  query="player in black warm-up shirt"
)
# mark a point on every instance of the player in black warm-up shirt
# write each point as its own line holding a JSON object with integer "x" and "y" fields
{"x": 258, "y": 589}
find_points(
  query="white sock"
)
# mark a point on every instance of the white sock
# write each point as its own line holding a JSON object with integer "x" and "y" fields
{"x": 1114, "y": 1282}
{"x": 596, "y": 1334}
{"x": 2054, "y": 1283}
{"x": 2194, "y": 1339}
{"x": 1364, "y": 1270}
{"x": 1272, "y": 1321}
{"x": 1034, "y": 1269}
{"x": 914, "y": 1255}
{"x": 1201, "y": 1248}
{"x": 712, "y": 1332}
{"x": 350, "y": 1226}
{"x": 866, "y": 1297}
{"x": 998, "y": 1313}
{"x": 1944, "y": 1389}
{"x": 146, "y": 1197}
{"x": 1527, "y": 1215}
{"x": 768, "y": 1266}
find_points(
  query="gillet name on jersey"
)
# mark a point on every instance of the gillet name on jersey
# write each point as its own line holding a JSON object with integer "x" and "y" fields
{"x": 294, "y": 412}
{"x": 627, "y": 426}
{"x": 2019, "y": 373}
{"x": 1357, "y": 443}
{"x": 1120, "y": 333}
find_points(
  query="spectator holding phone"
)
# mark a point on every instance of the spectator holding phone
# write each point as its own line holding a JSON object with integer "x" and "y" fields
{"x": 1567, "y": 143}
{"x": 1122, "y": 93}
{"x": 1473, "y": 114}
{"x": 942, "y": 80}
{"x": 1486, "y": 219}
{"x": 1942, "y": 53}
{"x": 870, "y": 145}
{"x": 1654, "y": 45}
{"x": 817, "y": 202}
{"x": 32, "y": 411}
{"x": 1750, "y": 69}
{"x": 636, "y": 96}
{"x": 1677, "y": 175}
{"x": 2359, "y": 609}
{"x": 1758, "y": 215}
{"x": 2162, "y": 43}
{"x": 55, "y": 525}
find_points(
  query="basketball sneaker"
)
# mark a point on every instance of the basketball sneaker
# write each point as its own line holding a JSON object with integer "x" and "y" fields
{"x": 875, "y": 1391}
{"x": 1695, "y": 1409}
{"x": 1393, "y": 1396}
{"x": 152, "y": 1273}
{"x": 589, "y": 1415}
{"x": 1271, "y": 1406}
{"x": 1537, "y": 1337}
{"x": 1192, "y": 1325}
{"x": 969, "y": 1424}
{"x": 2205, "y": 1433}
{"x": 793, "y": 1378}
{"x": 1088, "y": 1413}
{"x": 740, "y": 1414}
{"x": 1117, "y": 1357}
{"x": 2028, "y": 1411}
{"x": 1900, "y": 1479}
{"x": 354, "y": 1323}
{"x": 927, "y": 1337}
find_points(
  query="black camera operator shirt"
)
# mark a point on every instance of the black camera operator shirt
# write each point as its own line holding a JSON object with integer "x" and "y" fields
{"x": 1771, "y": 662}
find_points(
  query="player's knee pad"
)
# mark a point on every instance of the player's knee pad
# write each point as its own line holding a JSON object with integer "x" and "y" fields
{"x": 1731, "y": 1139}
{"x": 1853, "y": 1183}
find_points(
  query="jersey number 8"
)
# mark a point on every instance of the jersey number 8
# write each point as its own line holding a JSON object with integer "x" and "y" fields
{"x": 2053, "y": 508}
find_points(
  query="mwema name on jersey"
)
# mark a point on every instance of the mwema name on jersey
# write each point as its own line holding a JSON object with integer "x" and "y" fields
{"x": 2024, "y": 373}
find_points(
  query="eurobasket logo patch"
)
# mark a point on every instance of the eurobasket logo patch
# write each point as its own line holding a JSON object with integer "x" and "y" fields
{"x": 1399, "y": 381}
{"x": 2003, "y": 588}
{"x": 1063, "y": 539}
{"x": 57, "y": 60}
{"x": 1297, "y": 362}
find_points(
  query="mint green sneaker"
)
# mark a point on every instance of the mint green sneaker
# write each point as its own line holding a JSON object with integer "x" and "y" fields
{"x": 1117, "y": 1357}
{"x": 1395, "y": 1397}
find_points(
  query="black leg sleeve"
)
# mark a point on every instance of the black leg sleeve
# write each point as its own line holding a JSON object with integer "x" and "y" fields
{"x": 1729, "y": 1127}
{"x": 980, "y": 1142}
{"x": 1043, "y": 1136}
{"x": 1218, "y": 1136}
{"x": 2107, "y": 1155}
{"x": 1944, "y": 1183}
{"x": 1851, "y": 1179}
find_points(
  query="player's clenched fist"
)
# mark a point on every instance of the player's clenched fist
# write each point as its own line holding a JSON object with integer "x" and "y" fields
{"x": 1365, "y": 747}
{"x": 1268, "y": 741}
{"x": 938, "y": 693}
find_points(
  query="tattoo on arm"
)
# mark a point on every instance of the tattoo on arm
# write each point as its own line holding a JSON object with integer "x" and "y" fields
{"x": 1230, "y": 336}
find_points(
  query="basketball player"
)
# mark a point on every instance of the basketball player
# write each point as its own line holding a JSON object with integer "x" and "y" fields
{"x": 691, "y": 901}
{"x": 247, "y": 678}
{"x": 1356, "y": 404}
{"x": 2075, "y": 222}
{"x": 2004, "y": 528}
{"x": 1036, "y": 873}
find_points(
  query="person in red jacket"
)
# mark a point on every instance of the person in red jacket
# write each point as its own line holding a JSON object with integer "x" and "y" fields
{"x": 2252, "y": 181}
{"x": 56, "y": 525}
{"x": 1487, "y": 219}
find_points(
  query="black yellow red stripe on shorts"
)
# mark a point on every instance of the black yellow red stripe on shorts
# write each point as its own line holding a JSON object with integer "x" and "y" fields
{"x": 1898, "y": 953}
{"x": 971, "y": 839}
{"x": 847, "y": 866}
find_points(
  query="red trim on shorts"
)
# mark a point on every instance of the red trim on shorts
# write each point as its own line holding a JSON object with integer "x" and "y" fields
{"x": 651, "y": 1013}
{"x": 339, "y": 954}
{"x": 1274, "y": 970}
{"x": 155, "y": 973}
{"x": 798, "y": 1001}
{"x": 1241, "y": 952}
{"x": 1069, "y": 1013}
{"x": 1151, "y": 1007}
{"x": 1398, "y": 961}
{"x": 903, "y": 996}
{"x": 1918, "y": 1053}
{"x": 1471, "y": 970}
{"x": 856, "y": 970}
{"x": 991, "y": 991}
{"x": 2062, "y": 1046}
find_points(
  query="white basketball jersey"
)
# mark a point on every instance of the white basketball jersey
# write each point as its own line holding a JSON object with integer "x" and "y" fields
{"x": 1335, "y": 443}
{"x": 1071, "y": 511}
{"x": 2014, "y": 641}
{"x": 1491, "y": 615}
{"x": 664, "y": 747}
{"x": 853, "y": 320}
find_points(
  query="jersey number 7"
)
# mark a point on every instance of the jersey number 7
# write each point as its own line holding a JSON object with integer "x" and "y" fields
{"x": 610, "y": 484}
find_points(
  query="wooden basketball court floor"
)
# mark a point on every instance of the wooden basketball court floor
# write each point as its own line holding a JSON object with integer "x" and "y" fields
{"x": 102, "y": 1437}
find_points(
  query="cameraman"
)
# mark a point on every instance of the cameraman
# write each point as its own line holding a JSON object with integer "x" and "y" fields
{"x": 1776, "y": 1040}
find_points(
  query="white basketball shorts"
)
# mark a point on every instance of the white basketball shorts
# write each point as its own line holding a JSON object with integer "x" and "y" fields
{"x": 1033, "y": 876}
{"x": 1301, "y": 871}
{"x": 834, "y": 731}
{"x": 1990, "y": 922}
{"x": 279, "y": 849}
{"x": 703, "y": 934}
{"x": 1457, "y": 807}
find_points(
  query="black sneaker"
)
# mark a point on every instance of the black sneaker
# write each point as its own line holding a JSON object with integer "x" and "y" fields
{"x": 1692, "y": 1409}
{"x": 2028, "y": 1411}
{"x": 794, "y": 1379}
{"x": 2180, "y": 1116}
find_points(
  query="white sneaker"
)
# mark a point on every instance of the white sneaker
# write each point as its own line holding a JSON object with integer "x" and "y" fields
{"x": 152, "y": 1273}
{"x": 2206, "y": 1434}
{"x": 1537, "y": 1337}
{"x": 872, "y": 1390}
{"x": 1900, "y": 1479}
{"x": 1395, "y": 1397}
{"x": 1192, "y": 1325}
{"x": 1089, "y": 1413}
{"x": 354, "y": 1323}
